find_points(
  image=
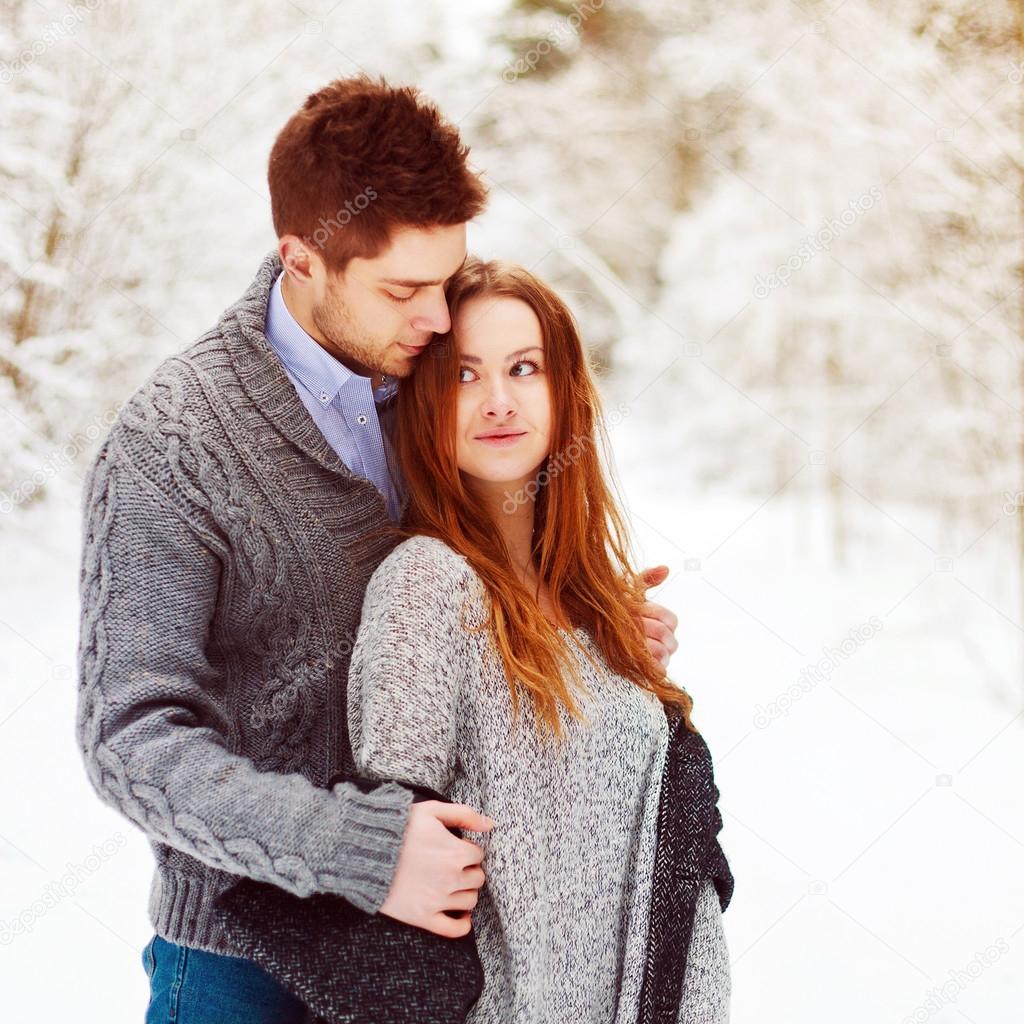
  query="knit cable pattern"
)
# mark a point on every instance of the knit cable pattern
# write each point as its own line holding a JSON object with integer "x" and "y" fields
{"x": 202, "y": 471}
{"x": 223, "y": 567}
{"x": 146, "y": 804}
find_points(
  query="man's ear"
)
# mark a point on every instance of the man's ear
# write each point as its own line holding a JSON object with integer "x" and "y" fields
{"x": 297, "y": 258}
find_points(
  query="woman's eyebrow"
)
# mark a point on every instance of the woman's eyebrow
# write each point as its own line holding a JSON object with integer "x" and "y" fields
{"x": 476, "y": 360}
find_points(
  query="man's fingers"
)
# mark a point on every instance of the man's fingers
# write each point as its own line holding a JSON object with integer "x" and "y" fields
{"x": 451, "y": 927}
{"x": 655, "y": 576}
{"x": 659, "y": 652}
{"x": 657, "y": 632}
{"x": 437, "y": 870}
{"x": 461, "y": 816}
{"x": 464, "y": 899}
{"x": 472, "y": 877}
{"x": 660, "y": 624}
{"x": 653, "y": 610}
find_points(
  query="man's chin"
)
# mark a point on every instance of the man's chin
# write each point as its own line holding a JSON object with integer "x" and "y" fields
{"x": 400, "y": 367}
{"x": 406, "y": 361}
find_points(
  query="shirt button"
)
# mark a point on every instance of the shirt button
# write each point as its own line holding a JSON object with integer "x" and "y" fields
{"x": 360, "y": 418}
{"x": 323, "y": 396}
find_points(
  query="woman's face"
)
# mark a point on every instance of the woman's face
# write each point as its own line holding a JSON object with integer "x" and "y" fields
{"x": 504, "y": 401}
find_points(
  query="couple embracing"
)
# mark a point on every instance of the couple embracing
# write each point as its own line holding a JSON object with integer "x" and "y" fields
{"x": 321, "y": 546}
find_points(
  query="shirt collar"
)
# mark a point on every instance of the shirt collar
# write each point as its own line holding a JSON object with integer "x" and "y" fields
{"x": 307, "y": 360}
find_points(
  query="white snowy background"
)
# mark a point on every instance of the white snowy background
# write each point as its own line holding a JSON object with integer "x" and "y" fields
{"x": 792, "y": 231}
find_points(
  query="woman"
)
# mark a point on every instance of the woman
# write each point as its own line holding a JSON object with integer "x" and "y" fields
{"x": 515, "y": 568}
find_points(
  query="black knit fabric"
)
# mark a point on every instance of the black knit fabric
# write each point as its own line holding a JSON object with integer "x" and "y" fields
{"x": 350, "y": 966}
{"x": 688, "y": 852}
{"x": 392, "y": 973}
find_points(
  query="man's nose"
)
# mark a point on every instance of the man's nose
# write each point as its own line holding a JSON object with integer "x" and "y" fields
{"x": 434, "y": 317}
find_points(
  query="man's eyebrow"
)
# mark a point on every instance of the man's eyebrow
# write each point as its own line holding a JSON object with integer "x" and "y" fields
{"x": 476, "y": 360}
{"x": 411, "y": 283}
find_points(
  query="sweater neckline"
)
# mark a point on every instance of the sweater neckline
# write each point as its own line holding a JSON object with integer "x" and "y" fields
{"x": 263, "y": 376}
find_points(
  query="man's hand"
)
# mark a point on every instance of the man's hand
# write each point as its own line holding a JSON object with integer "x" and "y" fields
{"x": 659, "y": 623}
{"x": 437, "y": 871}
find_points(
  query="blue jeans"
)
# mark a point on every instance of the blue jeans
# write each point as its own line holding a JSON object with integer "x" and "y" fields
{"x": 191, "y": 986}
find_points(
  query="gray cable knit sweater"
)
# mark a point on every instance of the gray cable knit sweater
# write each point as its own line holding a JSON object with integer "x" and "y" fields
{"x": 226, "y": 551}
{"x": 561, "y": 924}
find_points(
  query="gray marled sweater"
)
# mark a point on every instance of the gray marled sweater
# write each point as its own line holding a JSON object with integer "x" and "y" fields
{"x": 225, "y": 558}
{"x": 561, "y": 924}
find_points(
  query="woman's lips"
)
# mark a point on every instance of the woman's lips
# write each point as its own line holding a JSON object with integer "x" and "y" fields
{"x": 502, "y": 441}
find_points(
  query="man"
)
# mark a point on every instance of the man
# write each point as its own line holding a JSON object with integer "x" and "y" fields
{"x": 232, "y": 520}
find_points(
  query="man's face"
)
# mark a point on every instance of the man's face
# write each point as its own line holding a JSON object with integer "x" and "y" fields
{"x": 379, "y": 314}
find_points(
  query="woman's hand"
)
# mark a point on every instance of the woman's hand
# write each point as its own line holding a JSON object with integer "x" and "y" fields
{"x": 659, "y": 623}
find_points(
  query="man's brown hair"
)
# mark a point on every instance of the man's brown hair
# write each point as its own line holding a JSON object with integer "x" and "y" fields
{"x": 362, "y": 158}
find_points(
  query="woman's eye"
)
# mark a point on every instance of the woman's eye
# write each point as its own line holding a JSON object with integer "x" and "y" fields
{"x": 525, "y": 362}
{"x": 463, "y": 379}
{"x": 401, "y": 298}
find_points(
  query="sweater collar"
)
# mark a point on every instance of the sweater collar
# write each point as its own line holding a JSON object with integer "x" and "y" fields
{"x": 263, "y": 375}
{"x": 319, "y": 372}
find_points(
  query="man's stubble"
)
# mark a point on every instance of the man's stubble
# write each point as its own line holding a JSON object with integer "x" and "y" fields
{"x": 349, "y": 342}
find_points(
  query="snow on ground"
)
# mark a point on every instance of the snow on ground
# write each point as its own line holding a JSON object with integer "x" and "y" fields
{"x": 874, "y": 822}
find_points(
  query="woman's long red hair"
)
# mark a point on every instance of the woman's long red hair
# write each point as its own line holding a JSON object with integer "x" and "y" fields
{"x": 580, "y": 541}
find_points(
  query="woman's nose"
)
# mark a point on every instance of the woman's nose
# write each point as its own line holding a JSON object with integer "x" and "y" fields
{"x": 497, "y": 404}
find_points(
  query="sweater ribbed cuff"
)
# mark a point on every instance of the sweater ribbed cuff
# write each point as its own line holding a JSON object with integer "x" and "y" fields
{"x": 369, "y": 841}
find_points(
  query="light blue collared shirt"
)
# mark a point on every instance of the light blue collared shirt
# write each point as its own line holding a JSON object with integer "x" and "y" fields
{"x": 343, "y": 404}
